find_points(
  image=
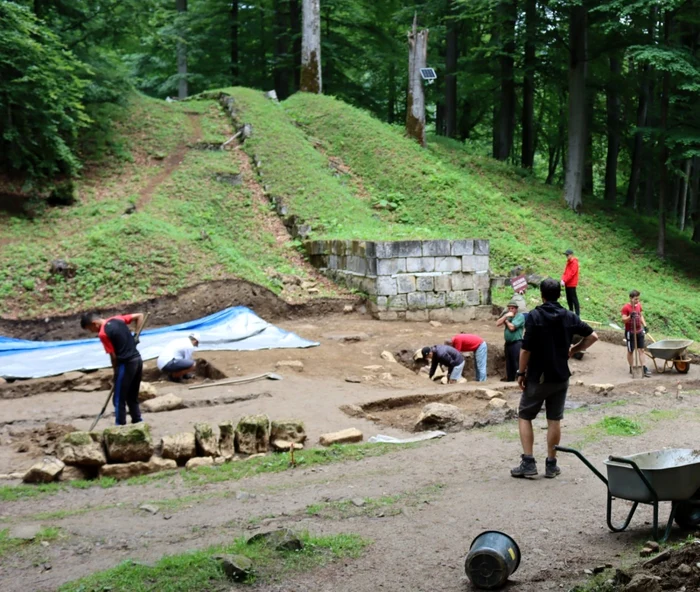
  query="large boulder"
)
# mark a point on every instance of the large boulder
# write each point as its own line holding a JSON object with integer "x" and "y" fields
{"x": 127, "y": 444}
{"x": 164, "y": 403}
{"x": 207, "y": 444}
{"x": 253, "y": 434}
{"x": 236, "y": 567}
{"x": 289, "y": 430}
{"x": 227, "y": 445}
{"x": 134, "y": 469}
{"x": 179, "y": 447}
{"x": 82, "y": 448}
{"x": 45, "y": 471}
{"x": 199, "y": 461}
{"x": 440, "y": 416}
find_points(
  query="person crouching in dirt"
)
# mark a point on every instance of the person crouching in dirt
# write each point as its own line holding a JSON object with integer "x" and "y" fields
{"x": 513, "y": 327}
{"x": 176, "y": 359}
{"x": 447, "y": 356}
{"x": 635, "y": 329}
{"x": 466, "y": 342}
{"x": 127, "y": 364}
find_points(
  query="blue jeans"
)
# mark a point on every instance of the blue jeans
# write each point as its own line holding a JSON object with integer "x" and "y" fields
{"x": 456, "y": 373}
{"x": 480, "y": 362}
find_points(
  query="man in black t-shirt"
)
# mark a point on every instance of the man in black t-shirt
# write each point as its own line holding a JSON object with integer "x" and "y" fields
{"x": 544, "y": 373}
{"x": 127, "y": 364}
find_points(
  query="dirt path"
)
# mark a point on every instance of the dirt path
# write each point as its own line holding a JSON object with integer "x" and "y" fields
{"x": 448, "y": 490}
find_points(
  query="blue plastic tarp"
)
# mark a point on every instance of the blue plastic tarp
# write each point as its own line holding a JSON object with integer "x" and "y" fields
{"x": 237, "y": 328}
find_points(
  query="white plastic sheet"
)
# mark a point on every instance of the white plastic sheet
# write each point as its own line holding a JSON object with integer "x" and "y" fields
{"x": 381, "y": 438}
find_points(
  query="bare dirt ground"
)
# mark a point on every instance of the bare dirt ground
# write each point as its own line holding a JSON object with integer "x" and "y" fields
{"x": 451, "y": 489}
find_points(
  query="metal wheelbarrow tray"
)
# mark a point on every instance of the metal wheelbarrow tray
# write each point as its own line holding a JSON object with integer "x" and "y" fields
{"x": 672, "y": 352}
{"x": 649, "y": 478}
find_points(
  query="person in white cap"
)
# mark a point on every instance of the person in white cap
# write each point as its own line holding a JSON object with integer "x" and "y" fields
{"x": 176, "y": 358}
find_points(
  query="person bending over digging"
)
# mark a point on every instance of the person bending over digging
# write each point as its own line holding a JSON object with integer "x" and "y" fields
{"x": 465, "y": 342}
{"x": 635, "y": 329}
{"x": 447, "y": 356}
{"x": 176, "y": 359}
{"x": 544, "y": 373}
{"x": 127, "y": 364}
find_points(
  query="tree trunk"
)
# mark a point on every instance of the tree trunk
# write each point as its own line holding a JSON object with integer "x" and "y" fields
{"x": 451, "y": 56}
{"x": 613, "y": 119}
{"x": 695, "y": 199}
{"x": 295, "y": 21}
{"x": 684, "y": 195}
{"x": 280, "y": 71}
{"x": 391, "y": 103}
{"x": 506, "y": 109}
{"x": 415, "y": 104}
{"x": 663, "y": 179}
{"x": 310, "y": 80}
{"x": 181, "y": 48}
{"x": 638, "y": 147}
{"x": 528, "y": 121}
{"x": 576, "y": 153}
{"x": 235, "y": 66}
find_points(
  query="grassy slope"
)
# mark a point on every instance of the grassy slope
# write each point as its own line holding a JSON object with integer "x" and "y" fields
{"x": 160, "y": 248}
{"x": 445, "y": 192}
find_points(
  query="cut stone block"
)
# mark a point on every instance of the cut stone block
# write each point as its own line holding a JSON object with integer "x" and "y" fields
{"x": 441, "y": 314}
{"x": 227, "y": 445}
{"x": 436, "y": 248}
{"x": 440, "y": 416}
{"x": 134, "y": 469}
{"x": 252, "y": 434}
{"x": 207, "y": 443}
{"x": 398, "y": 302}
{"x": 391, "y": 266}
{"x": 420, "y": 264}
{"x": 342, "y": 437}
{"x": 462, "y": 247}
{"x": 75, "y": 473}
{"x": 435, "y": 300}
{"x": 127, "y": 444}
{"x": 417, "y": 315}
{"x": 388, "y": 315}
{"x": 296, "y": 365}
{"x": 199, "y": 461}
{"x": 290, "y": 430}
{"x": 406, "y": 283}
{"x": 481, "y": 247}
{"x": 386, "y": 286}
{"x": 147, "y": 391}
{"x": 443, "y": 283}
{"x": 424, "y": 284}
{"x": 448, "y": 264}
{"x": 179, "y": 447}
{"x": 167, "y": 402}
{"x": 416, "y": 300}
{"x": 407, "y": 249}
{"x": 463, "y": 314}
{"x": 82, "y": 448}
{"x": 462, "y": 281}
{"x": 475, "y": 263}
{"x": 458, "y": 299}
{"x": 45, "y": 471}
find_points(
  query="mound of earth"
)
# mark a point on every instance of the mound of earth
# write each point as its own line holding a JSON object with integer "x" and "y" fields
{"x": 39, "y": 441}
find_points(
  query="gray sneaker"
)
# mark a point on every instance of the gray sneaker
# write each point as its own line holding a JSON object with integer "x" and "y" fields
{"x": 527, "y": 467}
{"x": 551, "y": 469}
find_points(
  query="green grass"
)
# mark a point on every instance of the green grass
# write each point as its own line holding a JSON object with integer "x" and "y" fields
{"x": 232, "y": 471}
{"x": 9, "y": 545}
{"x": 199, "y": 571}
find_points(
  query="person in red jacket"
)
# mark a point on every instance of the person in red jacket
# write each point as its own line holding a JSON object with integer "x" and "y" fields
{"x": 466, "y": 342}
{"x": 569, "y": 280}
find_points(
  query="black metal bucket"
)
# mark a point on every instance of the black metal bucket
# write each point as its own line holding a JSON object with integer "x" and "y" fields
{"x": 493, "y": 557}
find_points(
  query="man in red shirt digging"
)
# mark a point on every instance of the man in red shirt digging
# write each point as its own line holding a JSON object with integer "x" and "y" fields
{"x": 120, "y": 344}
{"x": 466, "y": 342}
{"x": 569, "y": 280}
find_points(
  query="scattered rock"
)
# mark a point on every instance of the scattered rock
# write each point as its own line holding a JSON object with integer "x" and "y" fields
{"x": 579, "y": 383}
{"x": 488, "y": 394}
{"x": 436, "y": 323}
{"x": 347, "y": 337}
{"x": 684, "y": 569}
{"x": 82, "y": 448}
{"x": 89, "y": 387}
{"x": 164, "y": 403}
{"x": 358, "y": 502}
{"x": 598, "y": 569}
{"x": 295, "y": 365}
{"x": 179, "y": 447}
{"x": 227, "y": 446}
{"x": 253, "y": 434}
{"x": 285, "y": 445}
{"x": 281, "y": 539}
{"x": 353, "y": 379}
{"x": 150, "y": 508}
{"x": 643, "y": 583}
{"x": 236, "y": 567}
{"x": 440, "y": 416}
{"x": 373, "y": 367}
{"x": 199, "y": 461}
{"x": 147, "y": 391}
{"x": 645, "y": 552}
{"x": 243, "y": 496}
{"x": 134, "y": 469}
{"x": 353, "y": 410}
{"x": 62, "y": 268}
{"x": 25, "y": 532}
{"x": 660, "y": 558}
{"x": 342, "y": 437}
{"x": 45, "y": 471}
{"x": 386, "y": 376}
{"x": 348, "y": 308}
{"x": 601, "y": 389}
{"x": 126, "y": 444}
{"x": 498, "y": 403}
{"x": 659, "y": 390}
{"x": 388, "y": 356}
{"x": 207, "y": 444}
{"x": 12, "y": 475}
{"x": 72, "y": 376}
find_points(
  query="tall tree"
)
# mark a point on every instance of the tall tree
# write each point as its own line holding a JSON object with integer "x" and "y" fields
{"x": 310, "y": 80}
{"x": 233, "y": 28}
{"x": 415, "y": 103}
{"x": 451, "y": 57}
{"x": 505, "y": 126}
{"x": 576, "y": 153}
{"x": 612, "y": 101}
{"x": 528, "y": 120}
{"x": 663, "y": 178}
{"x": 181, "y": 6}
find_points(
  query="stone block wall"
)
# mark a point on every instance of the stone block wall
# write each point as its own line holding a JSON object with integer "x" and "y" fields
{"x": 413, "y": 280}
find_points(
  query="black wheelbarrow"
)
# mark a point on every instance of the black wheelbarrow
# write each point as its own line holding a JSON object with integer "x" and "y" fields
{"x": 649, "y": 478}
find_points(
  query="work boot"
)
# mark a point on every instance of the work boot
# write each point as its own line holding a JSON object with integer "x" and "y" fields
{"x": 527, "y": 467}
{"x": 647, "y": 374}
{"x": 551, "y": 469}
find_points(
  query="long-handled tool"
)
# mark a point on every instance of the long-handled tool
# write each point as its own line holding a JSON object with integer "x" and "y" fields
{"x": 241, "y": 380}
{"x": 111, "y": 391}
{"x": 637, "y": 368}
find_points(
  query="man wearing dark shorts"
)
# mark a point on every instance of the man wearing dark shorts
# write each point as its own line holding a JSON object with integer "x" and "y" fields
{"x": 127, "y": 364}
{"x": 544, "y": 373}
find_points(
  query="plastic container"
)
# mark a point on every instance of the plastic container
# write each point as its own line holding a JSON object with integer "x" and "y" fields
{"x": 493, "y": 557}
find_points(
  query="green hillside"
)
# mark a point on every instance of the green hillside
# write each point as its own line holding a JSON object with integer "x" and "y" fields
{"x": 346, "y": 174}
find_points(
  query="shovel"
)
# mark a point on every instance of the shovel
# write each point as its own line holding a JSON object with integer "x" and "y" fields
{"x": 637, "y": 368}
{"x": 241, "y": 380}
{"x": 111, "y": 391}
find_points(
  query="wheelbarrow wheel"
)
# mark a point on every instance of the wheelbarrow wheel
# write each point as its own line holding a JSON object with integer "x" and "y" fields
{"x": 688, "y": 513}
{"x": 681, "y": 366}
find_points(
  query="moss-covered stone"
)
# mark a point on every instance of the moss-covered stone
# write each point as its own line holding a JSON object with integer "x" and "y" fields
{"x": 253, "y": 434}
{"x": 290, "y": 430}
{"x": 82, "y": 449}
{"x": 226, "y": 439}
{"x": 128, "y": 443}
{"x": 207, "y": 444}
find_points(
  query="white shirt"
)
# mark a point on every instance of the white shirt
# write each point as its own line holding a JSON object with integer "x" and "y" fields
{"x": 179, "y": 349}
